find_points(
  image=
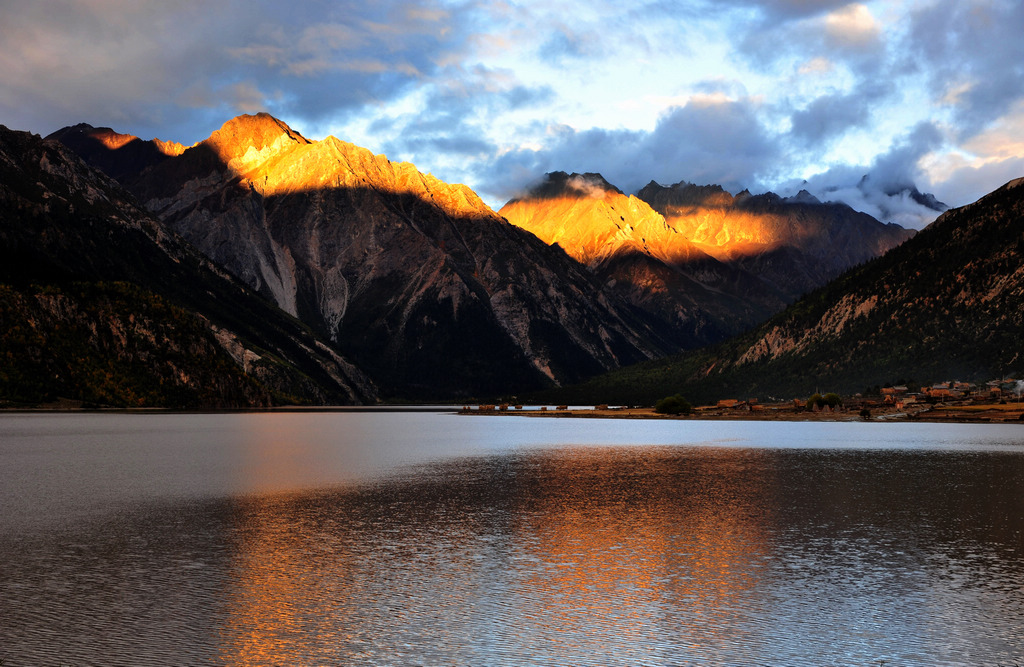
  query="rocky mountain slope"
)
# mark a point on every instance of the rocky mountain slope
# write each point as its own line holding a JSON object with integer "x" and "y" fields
{"x": 793, "y": 244}
{"x": 711, "y": 263}
{"x": 100, "y": 303}
{"x": 417, "y": 281}
{"x": 630, "y": 246}
{"x": 947, "y": 304}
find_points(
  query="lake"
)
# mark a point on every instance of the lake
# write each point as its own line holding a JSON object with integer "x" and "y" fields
{"x": 423, "y": 538}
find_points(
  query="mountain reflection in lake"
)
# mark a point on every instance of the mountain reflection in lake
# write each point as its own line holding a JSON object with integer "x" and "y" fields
{"x": 572, "y": 554}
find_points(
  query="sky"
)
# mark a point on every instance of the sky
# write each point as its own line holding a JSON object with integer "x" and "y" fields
{"x": 749, "y": 94}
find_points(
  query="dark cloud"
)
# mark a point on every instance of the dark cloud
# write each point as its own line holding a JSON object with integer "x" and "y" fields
{"x": 972, "y": 55}
{"x": 831, "y": 116}
{"x": 899, "y": 167}
{"x": 849, "y": 35}
{"x": 706, "y": 141}
{"x": 774, "y": 11}
{"x": 763, "y": 13}
{"x": 180, "y": 69}
{"x": 710, "y": 141}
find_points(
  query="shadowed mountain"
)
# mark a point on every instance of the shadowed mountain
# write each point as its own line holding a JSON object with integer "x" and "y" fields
{"x": 119, "y": 155}
{"x": 792, "y": 244}
{"x": 947, "y": 304}
{"x": 99, "y": 302}
{"x": 417, "y": 281}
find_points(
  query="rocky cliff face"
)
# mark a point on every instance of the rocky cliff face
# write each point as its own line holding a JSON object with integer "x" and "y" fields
{"x": 101, "y": 303}
{"x": 416, "y": 280}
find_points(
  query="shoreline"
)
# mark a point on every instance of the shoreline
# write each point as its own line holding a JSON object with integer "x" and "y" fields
{"x": 998, "y": 414}
{"x": 965, "y": 414}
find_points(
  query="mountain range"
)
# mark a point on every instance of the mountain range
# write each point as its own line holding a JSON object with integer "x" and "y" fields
{"x": 387, "y": 282}
{"x": 417, "y": 281}
{"x": 947, "y": 304}
{"x": 710, "y": 264}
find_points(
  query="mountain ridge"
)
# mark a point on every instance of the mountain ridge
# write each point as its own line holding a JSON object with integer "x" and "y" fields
{"x": 387, "y": 262}
{"x": 710, "y": 263}
{"x": 947, "y": 304}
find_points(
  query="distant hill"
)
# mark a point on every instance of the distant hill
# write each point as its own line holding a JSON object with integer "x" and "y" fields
{"x": 946, "y": 304}
{"x": 417, "y": 281}
{"x": 710, "y": 263}
{"x": 101, "y": 304}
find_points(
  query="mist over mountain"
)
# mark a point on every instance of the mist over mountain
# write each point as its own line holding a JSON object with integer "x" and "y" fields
{"x": 887, "y": 197}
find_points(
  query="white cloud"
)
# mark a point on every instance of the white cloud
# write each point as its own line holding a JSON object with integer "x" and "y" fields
{"x": 1004, "y": 139}
{"x": 982, "y": 162}
{"x": 852, "y": 26}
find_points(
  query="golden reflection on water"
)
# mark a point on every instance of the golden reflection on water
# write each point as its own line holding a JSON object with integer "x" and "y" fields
{"x": 273, "y": 604}
{"x": 565, "y": 547}
{"x": 628, "y": 539}
{"x": 567, "y": 555}
{"x": 283, "y": 574}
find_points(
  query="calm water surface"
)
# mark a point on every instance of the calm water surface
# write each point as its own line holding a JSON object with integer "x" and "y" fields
{"x": 435, "y": 539}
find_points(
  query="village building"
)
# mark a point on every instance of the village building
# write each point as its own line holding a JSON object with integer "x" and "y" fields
{"x": 892, "y": 391}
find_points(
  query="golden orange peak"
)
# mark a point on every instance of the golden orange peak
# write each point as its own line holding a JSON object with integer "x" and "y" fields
{"x": 110, "y": 139}
{"x": 171, "y": 148}
{"x": 242, "y": 133}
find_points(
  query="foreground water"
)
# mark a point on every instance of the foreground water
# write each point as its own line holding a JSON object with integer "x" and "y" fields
{"x": 437, "y": 539}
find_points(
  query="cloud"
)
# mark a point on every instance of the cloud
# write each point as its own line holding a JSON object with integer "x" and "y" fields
{"x": 565, "y": 43}
{"x": 972, "y": 57}
{"x": 816, "y": 66}
{"x": 887, "y": 188}
{"x": 711, "y": 139}
{"x": 586, "y": 187}
{"x": 900, "y": 167}
{"x": 743, "y": 93}
{"x": 970, "y": 181}
{"x": 776, "y": 11}
{"x": 449, "y": 129}
{"x": 983, "y": 161}
{"x": 852, "y": 26}
{"x": 847, "y": 36}
{"x": 182, "y": 68}
{"x": 831, "y": 116}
